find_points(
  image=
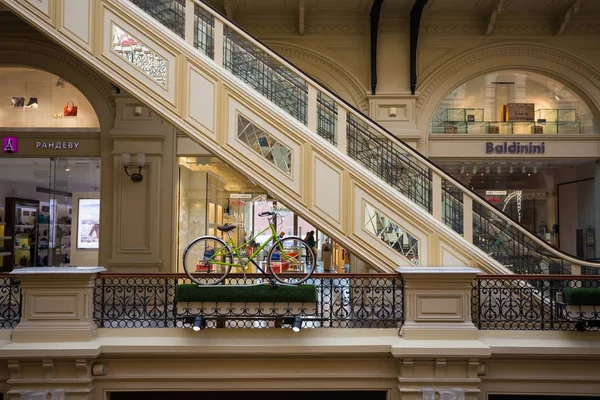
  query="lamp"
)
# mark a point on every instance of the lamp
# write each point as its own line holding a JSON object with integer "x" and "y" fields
{"x": 199, "y": 323}
{"x": 141, "y": 159}
{"x": 297, "y": 324}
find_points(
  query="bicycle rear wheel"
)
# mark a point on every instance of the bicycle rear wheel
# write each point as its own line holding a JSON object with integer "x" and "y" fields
{"x": 204, "y": 259}
{"x": 291, "y": 261}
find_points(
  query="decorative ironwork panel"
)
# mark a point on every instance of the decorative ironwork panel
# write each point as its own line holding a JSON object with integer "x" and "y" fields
{"x": 264, "y": 144}
{"x": 531, "y": 303}
{"x": 452, "y": 206}
{"x": 170, "y": 13}
{"x": 389, "y": 161}
{"x": 379, "y": 225}
{"x": 204, "y": 26}
{"x": 327, "y": 117}
{"x": 266, "y": 75}
{"x": 497, "y": 235}
{"x": 10, "y": 302}
{"x": 139, "y": 55}
{"x": 343, "y": 301}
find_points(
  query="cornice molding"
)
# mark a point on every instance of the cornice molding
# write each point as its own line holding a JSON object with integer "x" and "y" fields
{"x": 265, "y": 28}
{"x": 502, "y": 51}
{"x": 351, "y": 83}
{"x": 22, "y": 51}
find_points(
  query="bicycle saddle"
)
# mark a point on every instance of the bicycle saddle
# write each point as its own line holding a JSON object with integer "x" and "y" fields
{"x": 266, "y": 214}
{"x": 226, "y": 227}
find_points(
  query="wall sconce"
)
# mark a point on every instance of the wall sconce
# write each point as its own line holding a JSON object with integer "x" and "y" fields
{"x": 137, "y": 111}
{"x": 392, "y": 112}
{"x": 141, "y": 159}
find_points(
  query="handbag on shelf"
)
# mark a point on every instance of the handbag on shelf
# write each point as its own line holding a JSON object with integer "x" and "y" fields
{"x": 70, "y": 109}
{"x": 17, "y": 102}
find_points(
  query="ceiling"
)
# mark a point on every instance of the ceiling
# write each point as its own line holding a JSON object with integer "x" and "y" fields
{"x": 401, "y": 8}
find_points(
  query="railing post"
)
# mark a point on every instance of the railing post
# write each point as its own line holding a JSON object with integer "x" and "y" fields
{"x": 436, "y": 182}
{"x": 312, "y": 108}
{"x": 219, "y": 41}
{"x": 468, "y": 217}
{"x": 342, "y": 128}
{"x": 190, "y": 7}
{"x": 575, "y": 269}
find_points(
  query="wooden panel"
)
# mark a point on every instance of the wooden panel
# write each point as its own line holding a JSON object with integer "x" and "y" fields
{"x": 77, "y": 21}
{"x": 201, "y": 110}
{"x": 327, "y": 189}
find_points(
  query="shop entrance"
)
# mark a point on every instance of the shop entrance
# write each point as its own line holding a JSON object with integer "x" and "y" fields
{"x": 49, "y": 212}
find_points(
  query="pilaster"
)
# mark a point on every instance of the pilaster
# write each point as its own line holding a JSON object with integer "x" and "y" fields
{"x": 396, "y": 113}
{"x": 143, "y": 231}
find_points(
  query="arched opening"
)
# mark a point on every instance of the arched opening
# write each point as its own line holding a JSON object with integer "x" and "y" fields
{"x": 50, "y": 172}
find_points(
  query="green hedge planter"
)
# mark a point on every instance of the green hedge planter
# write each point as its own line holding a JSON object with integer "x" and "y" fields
{"x": 255, "y": 294}
{"x": 582, "y": 296}
{"x": 231, "y": 302}
{"x": 582, "y": 303}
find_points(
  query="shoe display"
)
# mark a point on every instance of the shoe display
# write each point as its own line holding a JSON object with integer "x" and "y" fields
{"x": 33, "y": 102}
{"x": 17, "y": 102}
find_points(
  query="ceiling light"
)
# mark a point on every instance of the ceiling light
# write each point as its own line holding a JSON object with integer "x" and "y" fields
{"x": 474, "y": 169}
{"x": 487, "y": 169}
{"x": 67, "y": 168}
{"x": 523, "y": 169}
{"x": 556, "y": 97}
{"x": 462, "y": 169}
{"x": 529, "y": 174}
{"x": 510, "y": 169}
{"x": 499, "y": 169}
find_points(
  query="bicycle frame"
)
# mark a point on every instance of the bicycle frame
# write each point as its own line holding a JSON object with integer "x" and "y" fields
{"x": 236, "y": 249}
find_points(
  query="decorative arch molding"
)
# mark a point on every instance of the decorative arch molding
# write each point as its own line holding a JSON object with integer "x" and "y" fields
{"x": 331, "y": 73}
{"x": 579, "y": 75}
{"x": 47, "y": 57}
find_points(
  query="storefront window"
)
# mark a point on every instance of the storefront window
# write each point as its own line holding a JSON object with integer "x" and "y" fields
{"x": 513, "y": 102}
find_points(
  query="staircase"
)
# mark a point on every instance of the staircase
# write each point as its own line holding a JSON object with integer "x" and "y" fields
{"x": 329, "y": 163}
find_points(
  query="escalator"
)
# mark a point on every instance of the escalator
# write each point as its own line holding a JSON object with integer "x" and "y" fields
{"x": 329, "y": 163}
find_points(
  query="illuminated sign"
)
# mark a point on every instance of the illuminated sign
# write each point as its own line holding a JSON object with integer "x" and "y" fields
{"x": 10, "y": 144}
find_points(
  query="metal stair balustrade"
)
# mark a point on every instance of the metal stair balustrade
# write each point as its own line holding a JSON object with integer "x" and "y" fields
{"x": 369, "y": 163}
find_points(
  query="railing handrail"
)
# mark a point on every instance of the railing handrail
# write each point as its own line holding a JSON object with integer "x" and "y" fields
{"x": 250, "y": 275}
{"x": 380, "y": 129}
{"x": 552, "y": 277}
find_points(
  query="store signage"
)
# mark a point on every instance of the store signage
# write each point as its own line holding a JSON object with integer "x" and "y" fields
{"x": 240, "y": 196}
{"x": 495, "y": 192}
{"x": 10, "y": 145}
{"x": 57, "y": 145}
{"x": 515, "y": 148}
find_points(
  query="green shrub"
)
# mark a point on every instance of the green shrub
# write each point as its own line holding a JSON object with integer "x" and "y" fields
{"x": 260, "y": 293}
{"x": 582, "y": 296}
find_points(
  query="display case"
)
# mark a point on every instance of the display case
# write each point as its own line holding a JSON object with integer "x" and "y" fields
{"x": 463, "y": 115}
{"x": 556, "y": 115}
{"x": 20, "y": 233}
{"x": 5, "y": 251}
{"x": 500, "y": 128}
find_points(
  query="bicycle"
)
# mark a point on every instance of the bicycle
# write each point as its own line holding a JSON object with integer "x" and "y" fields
{"x": 207, "y": 260}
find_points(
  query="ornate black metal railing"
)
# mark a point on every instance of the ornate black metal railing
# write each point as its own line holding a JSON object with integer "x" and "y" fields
{"x": 452, "y": 206}
{"x": 266, "y": 75}
{"x": 529, "y": 302}
{"x": 170, "y": 13}
{"x": 501, "y": 239}
{"x": 389, "y": 161}
{"x": 327, "y": 116}
{"x": 204, "y": 27}
{"x": 344, "y": 301}
{"x": 10, "y": 302}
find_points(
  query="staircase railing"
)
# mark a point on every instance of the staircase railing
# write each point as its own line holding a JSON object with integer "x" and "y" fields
{"x": 360, "y": 138}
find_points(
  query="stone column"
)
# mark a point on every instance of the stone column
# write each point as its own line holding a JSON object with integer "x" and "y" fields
{"x": 143, "y": 233}
{"x": 438, "y": 303}
{"x": 597, "y": 206}
{"x": 57, "y": 304}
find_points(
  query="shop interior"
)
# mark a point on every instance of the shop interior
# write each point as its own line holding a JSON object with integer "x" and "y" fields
{"x": 212, "y": 193}
{"x": 513, "y": 102}
{"x": 553, "y": 199}
{"x": 49, "y": 212}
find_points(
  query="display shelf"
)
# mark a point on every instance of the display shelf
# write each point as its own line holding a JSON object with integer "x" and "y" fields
{"x": 556, "y": 114}
{"x": 463, "y": 115}
{"x": 5, "y": 237}
{"x": 6, "y": 253}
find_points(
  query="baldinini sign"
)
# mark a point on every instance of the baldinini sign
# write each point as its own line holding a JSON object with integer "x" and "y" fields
{"x": 515, "y": 148}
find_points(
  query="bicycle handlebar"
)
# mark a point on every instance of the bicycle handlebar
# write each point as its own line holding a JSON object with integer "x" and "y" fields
{"x": 266, "y": 214}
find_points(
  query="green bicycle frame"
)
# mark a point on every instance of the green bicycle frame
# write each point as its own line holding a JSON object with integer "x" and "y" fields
{"x": 236, "y": 249}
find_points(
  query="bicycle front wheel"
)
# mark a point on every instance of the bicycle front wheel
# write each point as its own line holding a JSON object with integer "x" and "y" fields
{"x": 207, "y": 260}
{"x": 291, "y": 261}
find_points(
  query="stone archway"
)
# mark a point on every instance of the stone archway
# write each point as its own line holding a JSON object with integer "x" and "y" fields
{"x": 330, "y": 73}
{"x": 567, "y": 68}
